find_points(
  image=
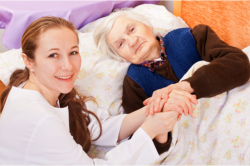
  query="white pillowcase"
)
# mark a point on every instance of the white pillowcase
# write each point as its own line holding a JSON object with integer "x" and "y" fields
{"x": 100, "y": 76}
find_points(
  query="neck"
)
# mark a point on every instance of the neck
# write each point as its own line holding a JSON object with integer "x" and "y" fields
{"x": 157, "y": 51}
{"x": 49, "y": 95}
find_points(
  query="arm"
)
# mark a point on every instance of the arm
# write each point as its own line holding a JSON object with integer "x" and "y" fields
{"x": 131, "y": 123}
{"x": 228, "y": 69}
{"x": 133, "y": 95}
{"x": 52, "y": 143}
{"x": 132, "y": 100}
{"x": 125, "y": 125}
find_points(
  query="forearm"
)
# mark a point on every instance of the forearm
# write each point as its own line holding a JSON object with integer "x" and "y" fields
{"x": 133, "y": 95}
{"x": 162, "y": 138}
{"x": 131, "y": 123}
{"x": 228, "y": 69}
{"x": 216, "y": 78}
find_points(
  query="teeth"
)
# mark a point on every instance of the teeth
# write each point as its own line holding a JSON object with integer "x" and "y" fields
{"x": 63, "y": 77}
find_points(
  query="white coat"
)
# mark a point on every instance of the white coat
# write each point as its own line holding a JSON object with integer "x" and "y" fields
{"x": 34, "y": 132}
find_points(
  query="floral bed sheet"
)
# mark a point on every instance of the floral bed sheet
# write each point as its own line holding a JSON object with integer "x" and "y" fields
{"x": 218, "y": 133}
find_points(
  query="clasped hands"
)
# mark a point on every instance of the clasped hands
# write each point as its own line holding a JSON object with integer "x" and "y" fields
{"x": 174, "y": 100}
{"x": 176, "y": 97}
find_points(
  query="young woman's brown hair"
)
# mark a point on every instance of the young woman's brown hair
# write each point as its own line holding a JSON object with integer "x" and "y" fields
{"x": 78, "y": 114}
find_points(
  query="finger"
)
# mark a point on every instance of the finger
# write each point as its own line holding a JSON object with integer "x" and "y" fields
{"x": 145, "y": 102}
{"x": 167, "y": 91}
{"x": 183, "y": 100}
{"x": 187, "y": 94}
{"x": 154, "y": 96}
{"x": 191, "y": 110}
{"x": 180, "y": 101}
{"x": 151, "y": 108}
{"x": 194, "y": 101}
{"x": 163, "y": 101}
{"x": 172, "y": 112}
{"x": 179, "y": 117}
{"x": 156, "y": 104}
{"x": 174, "y": 107}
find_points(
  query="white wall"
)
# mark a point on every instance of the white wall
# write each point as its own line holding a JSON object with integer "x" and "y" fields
{"x": 167, "y": 3}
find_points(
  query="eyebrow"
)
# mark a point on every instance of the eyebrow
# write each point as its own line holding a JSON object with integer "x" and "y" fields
{"x": 53, "y": 49}
{"x": 126, "y": 29}
{"x": 59, "y": 49}
{"x": 74, "y": 47}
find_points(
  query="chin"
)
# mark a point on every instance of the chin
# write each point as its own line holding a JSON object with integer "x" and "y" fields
{"x": 66, "y": 90}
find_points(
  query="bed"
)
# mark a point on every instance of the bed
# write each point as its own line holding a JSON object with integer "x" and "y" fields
{"x": 104, "y": 82}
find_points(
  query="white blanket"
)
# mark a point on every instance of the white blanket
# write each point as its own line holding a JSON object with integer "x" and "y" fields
{"x": 219, "y": 133}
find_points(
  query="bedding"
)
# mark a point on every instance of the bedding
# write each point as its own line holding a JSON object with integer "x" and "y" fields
{"x": 100, "y": 76}
{"x": 219, "y": 133}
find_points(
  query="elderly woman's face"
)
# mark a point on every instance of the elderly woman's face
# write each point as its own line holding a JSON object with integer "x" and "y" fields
{"x": 133, "y": 41}
{"x": 57, "y": 59}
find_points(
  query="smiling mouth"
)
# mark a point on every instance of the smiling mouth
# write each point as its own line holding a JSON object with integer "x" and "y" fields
{"x": 139, "y": 47}
{"x": 64, "y": 77}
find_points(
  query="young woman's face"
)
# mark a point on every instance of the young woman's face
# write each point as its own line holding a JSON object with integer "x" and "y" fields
{"x": 57, "y": 59}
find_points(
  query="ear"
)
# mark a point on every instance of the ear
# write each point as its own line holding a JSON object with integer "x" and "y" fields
{"x": 27, "y": 62}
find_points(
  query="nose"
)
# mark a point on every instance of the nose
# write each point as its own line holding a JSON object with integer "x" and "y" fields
{"x": 66, "y": 64}
{"x": 132, "y": 40}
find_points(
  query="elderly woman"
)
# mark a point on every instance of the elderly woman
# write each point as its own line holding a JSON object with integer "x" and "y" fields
{"x": 160, "y": 62}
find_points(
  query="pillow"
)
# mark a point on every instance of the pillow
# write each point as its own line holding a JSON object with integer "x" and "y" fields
{"x": 100, "y": 76}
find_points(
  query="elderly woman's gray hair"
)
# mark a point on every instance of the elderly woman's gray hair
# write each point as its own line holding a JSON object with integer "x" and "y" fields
{"x": 102, "y": 31}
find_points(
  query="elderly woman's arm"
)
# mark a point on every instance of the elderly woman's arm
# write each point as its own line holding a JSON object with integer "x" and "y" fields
{"x": 228, "y": 69}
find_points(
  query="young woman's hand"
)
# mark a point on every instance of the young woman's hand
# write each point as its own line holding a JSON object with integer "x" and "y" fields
{"x": 160, "y": 97}
{"x": 179, "y": 101}
{"x": 160, "y": 123}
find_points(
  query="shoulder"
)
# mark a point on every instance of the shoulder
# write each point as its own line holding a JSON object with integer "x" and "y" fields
{"x": 27, "y": 103}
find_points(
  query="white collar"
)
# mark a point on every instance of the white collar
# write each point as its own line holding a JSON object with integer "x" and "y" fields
{"x": 158, "y": 59}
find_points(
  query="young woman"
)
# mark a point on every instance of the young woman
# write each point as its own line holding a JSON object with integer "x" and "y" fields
{"x": 45, "y": 121}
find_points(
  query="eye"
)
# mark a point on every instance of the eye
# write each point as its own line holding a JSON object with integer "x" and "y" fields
{"x": 53, "y": 55}
{"x": 73, "y": 53}
{"x": 132, "y": 29}
{"x": 120, "y": 44}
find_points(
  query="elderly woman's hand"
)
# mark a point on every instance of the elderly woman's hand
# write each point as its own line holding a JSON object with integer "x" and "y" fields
{"x": 179, "y": 101}
{"x": 160, "y": 97}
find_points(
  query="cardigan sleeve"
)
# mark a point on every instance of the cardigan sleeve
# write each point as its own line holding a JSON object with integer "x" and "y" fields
{"x": 133, "y": 95}
{"x": 229, "y": 66}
